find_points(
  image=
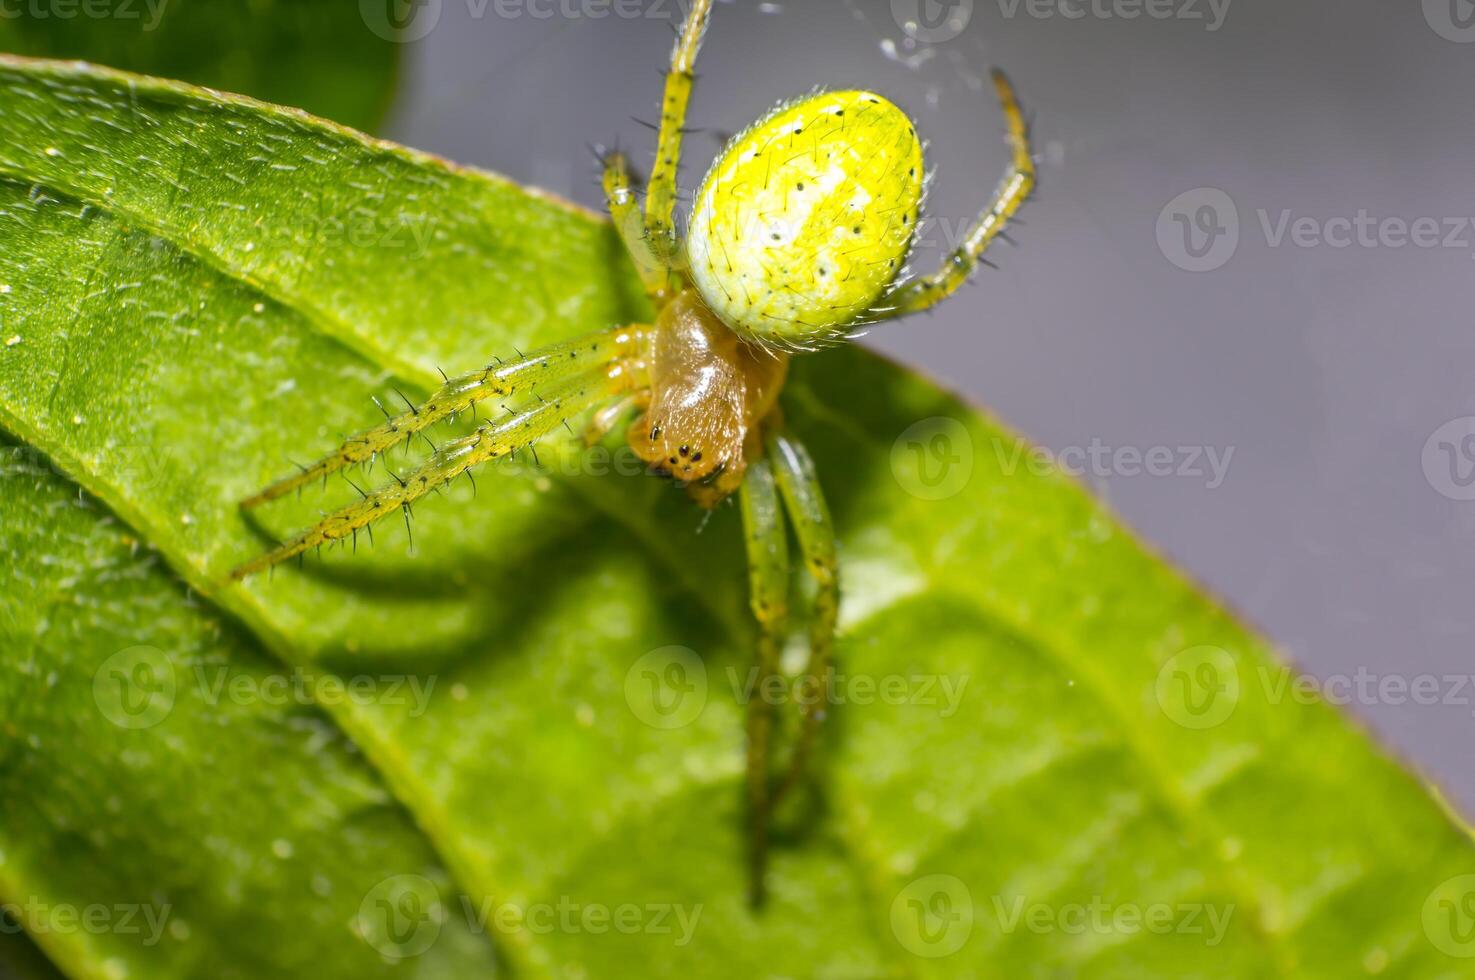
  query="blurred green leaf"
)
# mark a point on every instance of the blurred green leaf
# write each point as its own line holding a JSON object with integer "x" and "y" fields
{"x": 1069, "y": 762}
{"x": 319, "y": 55}
{"x": 20, "y": 957}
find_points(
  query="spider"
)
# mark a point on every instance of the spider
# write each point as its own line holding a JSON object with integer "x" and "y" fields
{"x": 798, "y": 235}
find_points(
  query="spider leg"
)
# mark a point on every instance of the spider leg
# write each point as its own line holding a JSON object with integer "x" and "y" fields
{"x": 768, "y": 582}
{"x": 799, "y": 486}
{"x": 504, "y": 379}
{"x": 620, "y": 193}
{"x": 603, "y": 422}
{"x": 660, "y": 201}
{"x": 922, "y": 292}
{"x": 491, "y": 439}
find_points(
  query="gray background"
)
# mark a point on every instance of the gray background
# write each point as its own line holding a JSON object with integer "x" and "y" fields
{"x": 1326, "y": 369}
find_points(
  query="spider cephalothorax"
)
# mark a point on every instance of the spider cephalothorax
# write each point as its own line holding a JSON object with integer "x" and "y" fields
{"x": 799, "y": 233}
{"x": 708, "y": 393}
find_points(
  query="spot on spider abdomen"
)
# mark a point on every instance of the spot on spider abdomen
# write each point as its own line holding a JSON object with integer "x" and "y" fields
{"x": 803, "y": 222}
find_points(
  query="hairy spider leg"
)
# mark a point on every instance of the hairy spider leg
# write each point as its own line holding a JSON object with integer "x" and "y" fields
{"x": 491, "y": 439}
{"x": 506, "y": 379}
{"x": 620, "y": 193}
{"x": 798, "y": 484}
{"x": 766, "y": 538}
{"x": 660, "y": 200}
{"x": 923, "y": 292}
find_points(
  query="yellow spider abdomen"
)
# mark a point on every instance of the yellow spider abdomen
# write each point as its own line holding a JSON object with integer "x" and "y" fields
{"x": 806, "y": 218}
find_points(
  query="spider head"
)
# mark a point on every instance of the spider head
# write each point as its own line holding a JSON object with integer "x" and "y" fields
{"x": 806, "y": 218}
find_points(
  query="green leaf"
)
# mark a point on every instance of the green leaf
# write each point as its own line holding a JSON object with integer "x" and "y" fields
{"x": 1070, "y": 808}
{"x": 205, "y": 834}
{"x": 319, "y": 55}
{"x": 21, "y": 957}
